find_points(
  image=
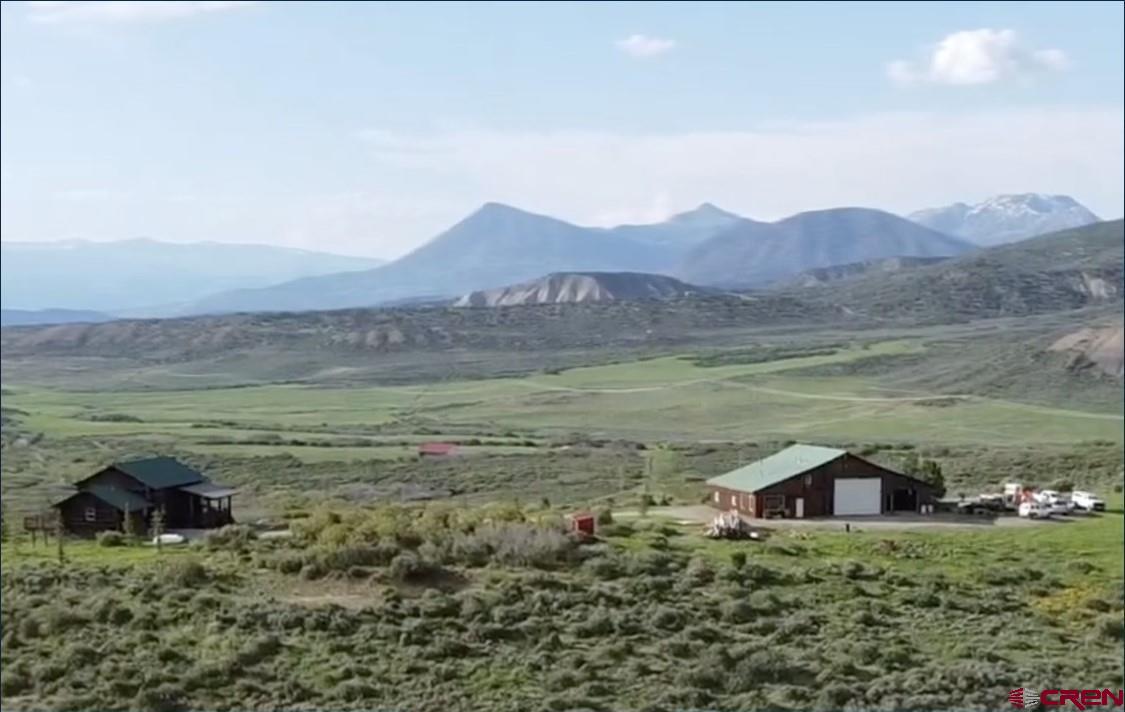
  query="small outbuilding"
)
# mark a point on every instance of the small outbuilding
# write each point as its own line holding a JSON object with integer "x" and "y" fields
{"x": 583, "y": 524}
{"x": 437, "y": 450}
{"x": 813, "y": 481}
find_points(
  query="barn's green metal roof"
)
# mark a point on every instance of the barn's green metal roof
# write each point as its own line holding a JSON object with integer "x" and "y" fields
{"x": 160, "y": 472}
{"x": 115, "y": 497}
{"x": 790, "y": 462}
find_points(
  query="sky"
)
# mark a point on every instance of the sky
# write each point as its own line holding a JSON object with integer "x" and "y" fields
{"x": 369, "y": 128}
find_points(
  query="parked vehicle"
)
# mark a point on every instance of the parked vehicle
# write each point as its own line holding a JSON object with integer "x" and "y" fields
{"x": 984, "y": 504}
{"x": 1054, "y": 502}
{"x": 1033, "y": 510}
{"x": 1087, "y": 501}
{"x": 1013, "y": 495}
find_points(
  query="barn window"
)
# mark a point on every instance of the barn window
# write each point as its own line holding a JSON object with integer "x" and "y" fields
{"x": 734, "y": 501}
{"x": 808, "y": 480}
{"x": 774, "y": 501}
{"x": 716, "y": 498}
{"x": 91, "y": 514}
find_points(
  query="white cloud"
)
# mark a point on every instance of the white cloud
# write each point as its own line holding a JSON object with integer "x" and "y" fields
{"x": 981, "y": 56}
{"x": 124, "y": 11}
{"x": 643, "y": 46}
{"x": 897, "y": 162}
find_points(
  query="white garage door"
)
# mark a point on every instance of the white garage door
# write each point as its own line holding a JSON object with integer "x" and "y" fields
{"x": 857, "y": 496}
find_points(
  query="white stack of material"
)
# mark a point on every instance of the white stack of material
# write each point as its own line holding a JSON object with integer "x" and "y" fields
{"x": 728, "y": 525}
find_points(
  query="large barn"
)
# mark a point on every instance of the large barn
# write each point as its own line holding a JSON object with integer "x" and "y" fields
{"x": 136, "y": 489}
{"x": 812, "y": 481}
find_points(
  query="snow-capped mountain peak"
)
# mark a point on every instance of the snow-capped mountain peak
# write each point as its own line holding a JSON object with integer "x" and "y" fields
{"x": 1007, "y": 218}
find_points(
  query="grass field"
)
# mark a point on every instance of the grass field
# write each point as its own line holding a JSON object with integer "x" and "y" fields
{"x": 666, "y": 398}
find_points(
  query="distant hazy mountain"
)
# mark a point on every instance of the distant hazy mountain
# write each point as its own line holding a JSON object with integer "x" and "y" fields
{"x": 684, "y": 230}
{"x": 495, "y": 245}
{"x": 822, "y": 276}
{"x": 110, "y": 276}
{"x": 1055, "y": 272}
{"x": 24, "y": 317}
{"x": 573, "y": 287}
{"x": 750, "y": 253}
{"x": 1007, "y": 218}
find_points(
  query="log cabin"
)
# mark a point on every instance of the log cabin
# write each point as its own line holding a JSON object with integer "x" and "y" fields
{"x": 136, "y": 489}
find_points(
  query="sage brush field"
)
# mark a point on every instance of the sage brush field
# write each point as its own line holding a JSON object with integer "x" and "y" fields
{"x": 443, "y": 607}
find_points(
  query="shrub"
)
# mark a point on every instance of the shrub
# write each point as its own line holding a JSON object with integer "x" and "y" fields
{"x": 408, "y": 567}
{"x": 14, "y": 682}
{"x": 111, "y": 538}
{"x": 185, "y": 572}
{"x": 738, "y": 559}
{"x": 604, "y": 516}
{"x": 259, "y": 649}
{"x": 161, "y": 698}
{"x": 232, "y": 536}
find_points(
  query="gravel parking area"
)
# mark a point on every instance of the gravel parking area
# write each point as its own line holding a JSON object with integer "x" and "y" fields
{"x": 702, "y": 514}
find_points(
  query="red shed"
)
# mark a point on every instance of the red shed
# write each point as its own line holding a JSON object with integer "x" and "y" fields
{"x": 437, "y": 449}
{"x": 582, "y": 523}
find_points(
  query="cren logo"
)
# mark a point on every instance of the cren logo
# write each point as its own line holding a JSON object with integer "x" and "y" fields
{"x": 1023, "y": 698}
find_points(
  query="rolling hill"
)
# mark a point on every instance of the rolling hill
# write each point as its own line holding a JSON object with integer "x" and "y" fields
{"x": 1070, "y": 269}
{"x": 496, "y": 245}
{"x": 1007, "y": 218}
{"x": 580, "y": 287}
{"x": 751, "y": 253}
{"x": 137, "y": 274}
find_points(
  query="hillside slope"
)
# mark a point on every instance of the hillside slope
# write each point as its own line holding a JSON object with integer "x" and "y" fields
{"x": 753, "y": 253}
{"x": 581, "y": 287}
{"x": 826, "y": 276}
{"x": 1064, "y": 270}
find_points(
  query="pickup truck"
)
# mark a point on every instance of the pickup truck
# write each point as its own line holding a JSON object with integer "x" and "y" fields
{"x": 1087, "y": 501}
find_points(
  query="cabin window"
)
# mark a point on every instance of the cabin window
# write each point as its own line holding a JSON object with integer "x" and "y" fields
{"x": 734, "y": 501}
{"x": 91, "y": 514}
{"x": 716, "y": 498}
{"x": 808, "y": 480}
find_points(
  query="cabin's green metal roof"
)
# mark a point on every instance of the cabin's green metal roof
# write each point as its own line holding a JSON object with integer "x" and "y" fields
{"x": 160, "y": 472}
{"x": 790, "y": 462}
{"x": 115, "y": 497}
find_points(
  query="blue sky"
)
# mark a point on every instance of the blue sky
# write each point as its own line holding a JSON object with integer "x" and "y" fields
{"x": 367, "y": 128}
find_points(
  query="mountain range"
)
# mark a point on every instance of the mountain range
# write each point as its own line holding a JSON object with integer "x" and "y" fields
{"x": 1007, "y": 218}
{"x": 24, "y": 317}
{"x": 496, "y": 245}
{"x": 502, "y": 245}
{"x": 499, "y": 245}
{"x": 1074, "y": 276}
{"x": 143, "y": 274}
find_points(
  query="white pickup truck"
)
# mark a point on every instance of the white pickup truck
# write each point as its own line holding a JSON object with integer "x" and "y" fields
{"x": 1087, "y": 501}
{"x": 1053, "y": 502}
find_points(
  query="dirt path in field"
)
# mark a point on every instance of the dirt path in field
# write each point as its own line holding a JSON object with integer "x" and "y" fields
{"x": 729, "y": 381}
